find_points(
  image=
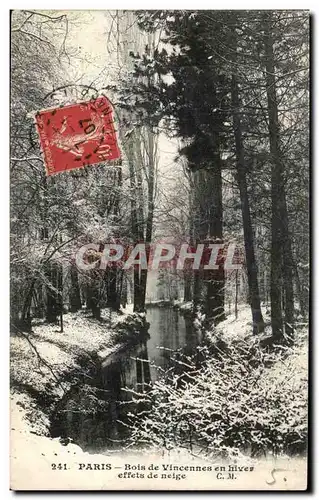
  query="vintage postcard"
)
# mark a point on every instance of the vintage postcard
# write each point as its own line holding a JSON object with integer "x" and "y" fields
{"x": 159, "y": 175}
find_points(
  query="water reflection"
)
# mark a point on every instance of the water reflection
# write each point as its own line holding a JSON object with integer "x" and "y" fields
{"x": 169, "y": 332}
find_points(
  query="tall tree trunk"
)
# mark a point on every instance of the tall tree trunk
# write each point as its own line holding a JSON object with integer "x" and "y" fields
{"x": 187, "y": 286}
{"x": 60, "y": 294}
{"x": 188, "y": 281}
{"x": 39, "y": 301}
{"x": 215, "y": 295}
{"x": 74, "y": 296}
{"x": 93, "y": 299}
{"x": 252, "y": 272}
{"x": 26, "y": 310}
{"x": 135, "y": 226}
{"x": 236, "y": 293}
{"x": 281, "y": 244}
{"x": 200, "y": 227}
{"x": 112, "y": 296}
{"x": 123, "y": 294}
{"x": 150, "y": 212}
{"x": 288, "y": 268}
{"x": 54, "y": 277}
{"x": 301, "y": 297}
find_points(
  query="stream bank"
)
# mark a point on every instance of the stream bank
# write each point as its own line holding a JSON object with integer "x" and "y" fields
{"x": 94, "y": 413}
{"x": 220, "y": 409}
{"x": 102, "y": 396}
{"x": 46, "y": 364}
{"x": 92, "y": 371}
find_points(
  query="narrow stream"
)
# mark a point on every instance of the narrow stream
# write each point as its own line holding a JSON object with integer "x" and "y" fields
{"x": 129, "y": 370}
{"x": 169, "y": 332}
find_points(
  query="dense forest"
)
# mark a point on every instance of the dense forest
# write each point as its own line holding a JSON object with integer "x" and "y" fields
{"x": 233, "y": 88}
{"x": 227, "y": 94}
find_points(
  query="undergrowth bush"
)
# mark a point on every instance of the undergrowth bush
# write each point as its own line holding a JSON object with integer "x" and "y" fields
{"x": 230, "y": 398}
{"x": 131, "y": 326}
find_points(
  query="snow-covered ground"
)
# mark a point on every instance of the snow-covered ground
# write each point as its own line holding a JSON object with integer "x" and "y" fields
{"x": 30, "y": 353}
{"x": 37, "y": 462}
{"x": 39, "y": 363}
{"x": 241, "y": 327}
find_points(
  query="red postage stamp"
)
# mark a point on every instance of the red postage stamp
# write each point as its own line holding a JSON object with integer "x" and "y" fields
{"x": 77, "y": 135}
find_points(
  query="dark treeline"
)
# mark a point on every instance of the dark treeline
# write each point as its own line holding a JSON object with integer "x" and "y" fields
{"x": 234, "y": 87}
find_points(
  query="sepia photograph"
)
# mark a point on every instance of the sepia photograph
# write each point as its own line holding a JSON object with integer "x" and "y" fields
{"x": 159, "y": 250}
